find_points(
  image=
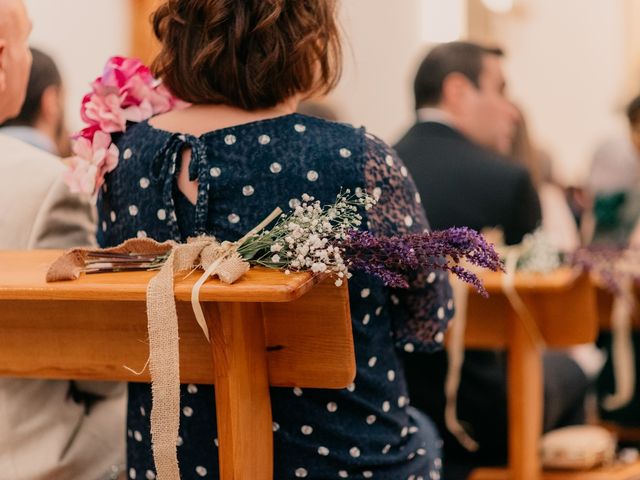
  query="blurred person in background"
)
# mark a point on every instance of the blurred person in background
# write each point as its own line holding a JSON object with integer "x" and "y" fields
{"x": 463, "y": 118}
{"x": 41, "y": 120}
{"x": 558, "y": 222}
{"x": 49, "y": 429}
{"x": 614, "y": 186}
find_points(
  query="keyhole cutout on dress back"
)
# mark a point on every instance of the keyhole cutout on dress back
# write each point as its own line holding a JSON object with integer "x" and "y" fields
{"x": 188, "y": 188}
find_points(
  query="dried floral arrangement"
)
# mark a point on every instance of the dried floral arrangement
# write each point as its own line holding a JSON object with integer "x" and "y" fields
{"x": 326, "y": 238}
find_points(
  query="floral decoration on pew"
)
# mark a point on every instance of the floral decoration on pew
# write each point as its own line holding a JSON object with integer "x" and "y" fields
{"x": 126, "y": 93}
{"x": 325, "y": 239}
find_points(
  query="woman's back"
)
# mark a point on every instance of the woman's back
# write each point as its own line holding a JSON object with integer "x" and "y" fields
{"x": 243, "y": 173}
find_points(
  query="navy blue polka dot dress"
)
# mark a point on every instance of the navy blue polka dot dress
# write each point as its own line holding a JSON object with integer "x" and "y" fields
{"x": 367, "y": 430}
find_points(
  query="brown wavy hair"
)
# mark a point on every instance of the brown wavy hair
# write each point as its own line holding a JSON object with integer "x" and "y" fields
{"x": 252, "y": 54}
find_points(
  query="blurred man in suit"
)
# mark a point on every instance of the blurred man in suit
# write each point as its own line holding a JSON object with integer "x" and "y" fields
{"x": 464, "y": 116}
{"x": 48, "y": 429}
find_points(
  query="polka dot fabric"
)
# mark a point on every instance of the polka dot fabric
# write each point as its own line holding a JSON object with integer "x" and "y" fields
{"x": 367, "y": 430}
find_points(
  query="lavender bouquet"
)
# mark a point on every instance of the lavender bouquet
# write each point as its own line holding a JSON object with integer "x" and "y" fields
{"x": 327, "y": 239}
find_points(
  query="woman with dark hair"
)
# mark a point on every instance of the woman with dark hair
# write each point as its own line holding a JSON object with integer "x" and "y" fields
{"x": 219, "y": 167}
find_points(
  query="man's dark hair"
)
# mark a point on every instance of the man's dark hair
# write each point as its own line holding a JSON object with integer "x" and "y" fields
{"x": 633, "y": 110}
{"x": 444, "y": 59}
{"x": 44, "y": 74}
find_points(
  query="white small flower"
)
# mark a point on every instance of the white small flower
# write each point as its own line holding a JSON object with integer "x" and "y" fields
{"x": 338, "y": 282}
{"x": 276, "y": 247}
{"x": 318, "y": 267}
{"x": 275, "y": 258}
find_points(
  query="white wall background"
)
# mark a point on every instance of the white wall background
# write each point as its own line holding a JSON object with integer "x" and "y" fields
{"x": 80, "y": 35}
{"x": 566, "y": 63}
{"x": 384, "y": 43}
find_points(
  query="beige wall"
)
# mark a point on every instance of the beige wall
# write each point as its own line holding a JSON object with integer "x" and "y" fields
{"x": 382, "y": 42}
{"x": 80, "y": 35}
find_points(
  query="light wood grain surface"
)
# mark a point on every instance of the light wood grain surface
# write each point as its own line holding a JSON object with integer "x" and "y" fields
{"x": 22, "y": 277}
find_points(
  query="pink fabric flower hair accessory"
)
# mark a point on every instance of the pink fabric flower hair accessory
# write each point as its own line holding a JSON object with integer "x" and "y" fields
{"x": 126, "y": 93}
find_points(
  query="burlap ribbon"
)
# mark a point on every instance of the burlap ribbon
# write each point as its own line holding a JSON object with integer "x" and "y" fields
{"x": 164, "y": 358}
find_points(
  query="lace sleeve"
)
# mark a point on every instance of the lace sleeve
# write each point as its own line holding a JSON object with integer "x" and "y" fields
{"x": 421, "y": 312}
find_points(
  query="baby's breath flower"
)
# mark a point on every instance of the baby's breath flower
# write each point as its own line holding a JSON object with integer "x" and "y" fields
{"x": 318, "y": 267}
{"x": 306, "y": 237}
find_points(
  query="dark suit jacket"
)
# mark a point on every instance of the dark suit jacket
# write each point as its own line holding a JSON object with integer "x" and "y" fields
{"x": 463, "y": 184}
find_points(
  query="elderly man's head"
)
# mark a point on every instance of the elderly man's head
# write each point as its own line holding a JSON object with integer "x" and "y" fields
{"x": 466, "y": 81}
{"x": 15, "y": 57}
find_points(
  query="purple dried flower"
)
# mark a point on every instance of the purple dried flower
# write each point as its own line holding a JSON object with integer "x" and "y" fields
{"x": 609, "y": 264}
{"x": 395, "y": 259}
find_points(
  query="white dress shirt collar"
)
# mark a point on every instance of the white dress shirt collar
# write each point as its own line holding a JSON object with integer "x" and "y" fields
{"x": 432, "y": 114}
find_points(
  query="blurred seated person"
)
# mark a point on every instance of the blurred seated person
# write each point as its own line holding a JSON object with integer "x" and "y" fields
{"x": 614, "y": 183}
{"x": 558, "y": 223}
{"x": 49, "y": 429}
{"x": 617, "y": 216}
{"x": 41, "y": 121}
{"x": 463, "y": 118}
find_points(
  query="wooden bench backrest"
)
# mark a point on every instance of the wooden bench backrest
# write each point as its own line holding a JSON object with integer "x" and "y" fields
{"x": 92, "y": 327}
